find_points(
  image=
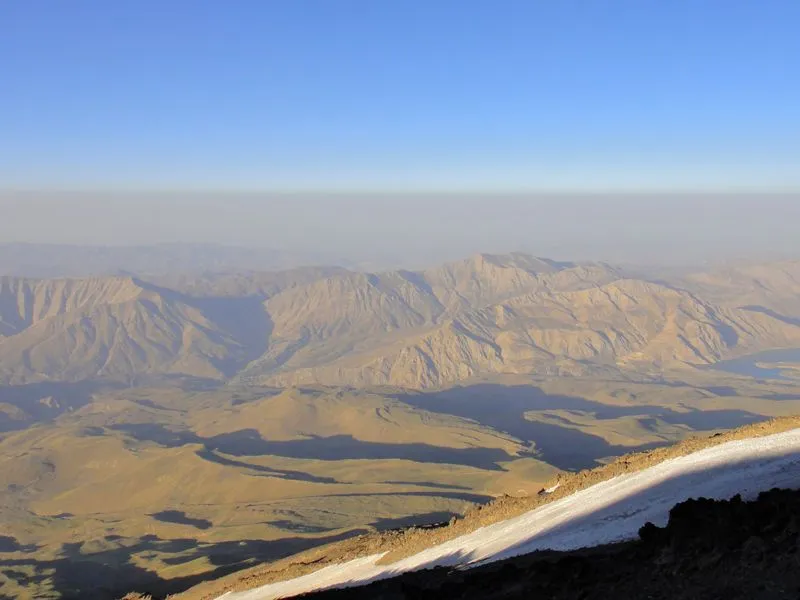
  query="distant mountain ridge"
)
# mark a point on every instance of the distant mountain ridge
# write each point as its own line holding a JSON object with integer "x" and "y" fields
{"x": 65, "y": 260}
{"x": 480, "y": 316}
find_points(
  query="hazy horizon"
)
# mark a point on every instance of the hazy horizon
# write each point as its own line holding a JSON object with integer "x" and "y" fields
{"x": 596, "y": 107}
{"x": 416, "y": 229}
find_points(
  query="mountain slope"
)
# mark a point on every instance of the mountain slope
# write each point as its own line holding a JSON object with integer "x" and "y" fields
{"x": 486, "y": 315}
{"x": 626, "y": 323}
{"x": 709, "y": 549}
{"x": 25, "y": 302}
{"x": 609, "y": 511}
{"x": 350, "y": 318}
{"x": 116, "y": 327}
{"x": 771, "y": 287}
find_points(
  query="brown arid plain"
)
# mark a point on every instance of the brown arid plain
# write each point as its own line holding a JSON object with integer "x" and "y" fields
{"x": 161, "y": 432}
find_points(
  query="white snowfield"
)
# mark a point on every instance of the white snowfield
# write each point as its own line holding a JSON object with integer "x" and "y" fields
{"x": 610, "y": 511}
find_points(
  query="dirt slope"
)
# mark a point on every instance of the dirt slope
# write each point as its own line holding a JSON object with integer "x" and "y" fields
{"x": 407, "y": 542}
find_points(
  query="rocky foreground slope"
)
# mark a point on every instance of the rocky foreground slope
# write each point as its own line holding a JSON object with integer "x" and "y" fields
{"x": 709, "y": 549}
{"x": 586, "y": 509}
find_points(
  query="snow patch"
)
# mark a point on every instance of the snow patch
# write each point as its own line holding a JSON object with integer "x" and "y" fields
{"x": 552, "y": 489}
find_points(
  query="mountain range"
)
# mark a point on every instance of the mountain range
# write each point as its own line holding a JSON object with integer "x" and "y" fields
{"x": 486, "y": 315}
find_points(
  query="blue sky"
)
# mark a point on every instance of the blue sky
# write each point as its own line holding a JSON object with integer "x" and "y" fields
{"x": 400, "y": 95}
